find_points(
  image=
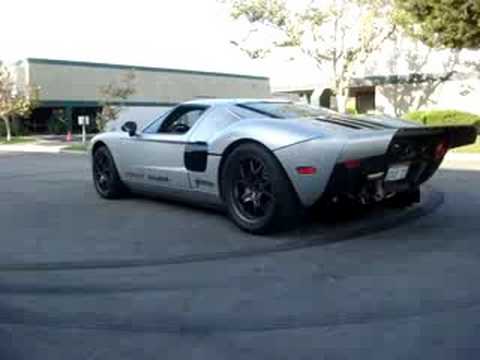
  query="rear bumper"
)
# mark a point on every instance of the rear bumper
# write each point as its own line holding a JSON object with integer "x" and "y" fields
{"x": 415, "y": 147}
{"x": 376, "y": 152}
{"x": 367, "y": 184}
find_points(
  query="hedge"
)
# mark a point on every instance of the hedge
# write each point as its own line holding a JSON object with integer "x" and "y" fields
{"x": 443, "y": 117}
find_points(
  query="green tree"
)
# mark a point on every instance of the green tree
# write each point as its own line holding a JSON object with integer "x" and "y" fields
{"x": 113, "y": 95}
{"x": 441, "y": 23}
{"x": 14, "y": 102}
{"x": 339, "y": 35}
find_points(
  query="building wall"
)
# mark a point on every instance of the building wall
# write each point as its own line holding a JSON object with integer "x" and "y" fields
{"x": 70, "y": 81}
{"x": 398, "y": 99}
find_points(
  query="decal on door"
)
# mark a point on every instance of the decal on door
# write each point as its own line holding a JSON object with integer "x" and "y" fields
{"x": 158, "y": 178}
{"x": 135, "y": 175}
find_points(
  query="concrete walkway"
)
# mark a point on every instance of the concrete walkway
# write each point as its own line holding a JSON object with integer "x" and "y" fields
{"x": 455, "y": 160}
{"x": 49, "y": 144}
{"x": 33, "y": 148}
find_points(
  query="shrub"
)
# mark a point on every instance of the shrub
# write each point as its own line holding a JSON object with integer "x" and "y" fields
{"x": 443, "y": 117}
{"x": 352, "y": 111}
{"x": 16, "y": 127}
{"x": 56, "y": 123}
{"x": 477, "y": 125}
{"x": 3, "y": 133}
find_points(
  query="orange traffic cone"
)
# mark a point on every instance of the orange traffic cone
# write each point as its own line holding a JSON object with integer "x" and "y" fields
{"x": 69, "y": 136}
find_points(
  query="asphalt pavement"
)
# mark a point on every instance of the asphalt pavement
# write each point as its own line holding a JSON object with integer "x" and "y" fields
{"x": 139, "y": 278}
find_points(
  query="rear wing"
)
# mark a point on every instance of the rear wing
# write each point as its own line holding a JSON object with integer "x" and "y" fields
{"x": 455, "y": 136}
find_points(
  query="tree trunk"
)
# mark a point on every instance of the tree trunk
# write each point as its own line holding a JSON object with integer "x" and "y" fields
{"x": 341, "y": 94}
{"x": 8, "y": 130}
{"x": 342, "y": 103}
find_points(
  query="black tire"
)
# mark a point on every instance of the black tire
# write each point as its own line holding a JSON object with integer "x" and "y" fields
{"x": 404, "y": 199}
{"x": 257, "y": 192}
{"x": 105, "y": 175}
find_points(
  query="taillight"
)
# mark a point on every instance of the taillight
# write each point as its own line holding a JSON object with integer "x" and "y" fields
{"x": 440, "y": 150}
{"x": 306, "y": 170}
{"x": 352, "y": 164}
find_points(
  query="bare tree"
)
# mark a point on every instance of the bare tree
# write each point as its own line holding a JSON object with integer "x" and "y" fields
{"x": 337, "y": 34}
{"x": 417, "y": 91}
{"x": 14, "y": 103}
{"x": 113, "y": 95}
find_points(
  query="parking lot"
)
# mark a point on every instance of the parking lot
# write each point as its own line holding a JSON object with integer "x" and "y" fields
{"x": 138, "y": 278}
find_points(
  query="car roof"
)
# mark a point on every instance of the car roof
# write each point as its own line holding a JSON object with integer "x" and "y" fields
{"x": 211, "y": 102}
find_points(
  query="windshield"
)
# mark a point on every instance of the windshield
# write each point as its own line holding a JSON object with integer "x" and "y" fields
{"x": 283, "y": 110}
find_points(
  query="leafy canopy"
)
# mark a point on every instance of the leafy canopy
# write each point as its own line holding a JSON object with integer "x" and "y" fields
{"x": 113, "y": 95}
{"x": 14, "y": 102}
{"x": 340, "y": 34}
{"x": 441, "y": 23}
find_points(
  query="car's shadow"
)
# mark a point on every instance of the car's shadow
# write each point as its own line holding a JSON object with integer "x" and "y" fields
{"x": 321, "y": 224}
{"x": 327, "y": 224}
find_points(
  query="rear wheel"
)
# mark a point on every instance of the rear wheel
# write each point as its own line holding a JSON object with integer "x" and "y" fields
{"x": 257, "y": 192}
{"x": 105, "y": 175}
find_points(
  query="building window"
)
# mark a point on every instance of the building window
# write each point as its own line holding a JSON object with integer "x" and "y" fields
{"x": 364, "y": 98}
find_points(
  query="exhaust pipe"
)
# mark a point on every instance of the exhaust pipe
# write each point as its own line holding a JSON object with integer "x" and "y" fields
{"x": 379, "y": 191}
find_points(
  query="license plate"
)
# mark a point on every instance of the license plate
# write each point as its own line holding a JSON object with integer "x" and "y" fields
{"x": 397, "y": 172}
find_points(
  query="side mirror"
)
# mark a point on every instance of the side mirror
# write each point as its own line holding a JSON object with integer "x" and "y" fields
{"x": 130, "y": 127}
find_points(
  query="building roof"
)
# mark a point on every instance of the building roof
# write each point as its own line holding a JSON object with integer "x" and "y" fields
{"x": 139, "y": 68}
{"x": 233, "y": 101}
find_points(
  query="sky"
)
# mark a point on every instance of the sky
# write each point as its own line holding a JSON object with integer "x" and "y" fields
{"x": 175, "y": 33}
{"x": 184, "y": 34}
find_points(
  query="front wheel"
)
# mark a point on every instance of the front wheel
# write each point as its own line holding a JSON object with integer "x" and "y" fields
{"x": 105, "y": 175}
{"x": 257, "y": 192}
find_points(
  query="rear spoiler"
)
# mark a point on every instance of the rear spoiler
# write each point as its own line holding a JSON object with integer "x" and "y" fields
{"x": 456, "y": 135}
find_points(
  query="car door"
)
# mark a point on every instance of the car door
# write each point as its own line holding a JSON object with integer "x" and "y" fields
{"x": 156, "y": 155}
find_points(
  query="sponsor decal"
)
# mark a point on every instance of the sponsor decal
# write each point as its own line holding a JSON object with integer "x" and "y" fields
{"x": 206, "y": 183}
{"x": 157, "y": 178}
{"x": 135, "y": 175}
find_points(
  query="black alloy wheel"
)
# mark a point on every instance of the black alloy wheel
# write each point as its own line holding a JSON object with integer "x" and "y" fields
{"x": 253, "y": 194}
{"x": 105, "y": 176}
{"x": 257, "y": 192}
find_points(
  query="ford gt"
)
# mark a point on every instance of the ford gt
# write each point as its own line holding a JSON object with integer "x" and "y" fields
{"x": 265, "y": 161}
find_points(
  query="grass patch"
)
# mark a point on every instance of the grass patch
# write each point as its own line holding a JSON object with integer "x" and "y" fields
{"x": 474, "y": 148}
{"x": 16, "y": 140}
{"x": 76, "y": 147}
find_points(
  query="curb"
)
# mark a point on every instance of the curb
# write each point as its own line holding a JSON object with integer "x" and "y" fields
{"x": 30, "y": 150}
{"x": 38, "y": 149}
{"x": 463, "y": 156}
{"x": 75, "y": 152}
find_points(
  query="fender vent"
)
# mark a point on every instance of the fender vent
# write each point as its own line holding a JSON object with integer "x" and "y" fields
{"x": 340, "y": 123}
{"x": 352, "y": 123}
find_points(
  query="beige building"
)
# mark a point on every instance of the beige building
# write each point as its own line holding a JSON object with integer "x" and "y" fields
{"x": 72, "y": 88}
{"x": 397, "y": 95}
{"x": 403, "y": 76}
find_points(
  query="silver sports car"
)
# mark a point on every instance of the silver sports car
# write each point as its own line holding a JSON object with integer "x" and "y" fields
{"x": 265, "y": 161}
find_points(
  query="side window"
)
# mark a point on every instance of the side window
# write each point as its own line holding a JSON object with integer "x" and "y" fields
{"x": 182, "y": 120}
{"x": 245, "y": 113}
{"x": 217, "y": 120}
{"x": 154, "y": 126}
